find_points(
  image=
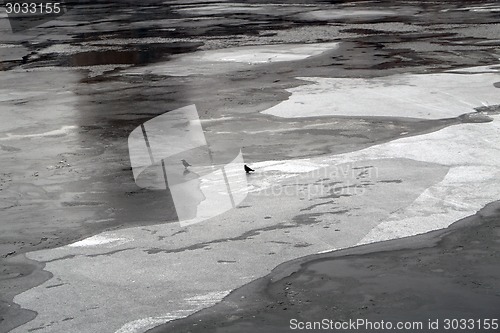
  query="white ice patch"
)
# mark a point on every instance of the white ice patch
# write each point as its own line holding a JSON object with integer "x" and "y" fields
{"x": 144, "y": 324}
{"x": 463, "y": 191}
{"x": 220, "y": 119}
{"x": 485, "y": 8}
{"x": 197, "y": 302}
{"x": 62, "y": 131}
{"x": 268, "y": 53}
{"x": 208, "y": 299}
{"x": 477, "y": 69}
{"x": 429, "y": 96}
{"x": 100, "y": 240}
{"x": 327, "y": 251}
{"x": 214, "y": 61}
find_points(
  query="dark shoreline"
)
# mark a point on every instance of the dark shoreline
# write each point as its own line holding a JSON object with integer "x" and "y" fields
{"x": 451, "y": 273}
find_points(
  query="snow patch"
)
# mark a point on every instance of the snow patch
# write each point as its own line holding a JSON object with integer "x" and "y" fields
{"x": 99, "y": 240}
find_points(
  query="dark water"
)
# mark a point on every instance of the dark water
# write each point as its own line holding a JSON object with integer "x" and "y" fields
{"x": 135, "y": 55}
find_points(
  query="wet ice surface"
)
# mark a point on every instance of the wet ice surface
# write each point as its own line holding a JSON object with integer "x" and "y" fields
{"x": 294, "y": 208}
{"x": 68, "y": 108}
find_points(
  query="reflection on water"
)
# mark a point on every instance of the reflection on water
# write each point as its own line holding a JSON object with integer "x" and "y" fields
{"x": 107, "y": 57}
{"x": 200, "y": 190}
{"x": 137, "y": 55}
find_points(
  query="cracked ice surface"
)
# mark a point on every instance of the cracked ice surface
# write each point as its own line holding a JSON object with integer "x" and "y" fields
{"x": 165, "y": 272}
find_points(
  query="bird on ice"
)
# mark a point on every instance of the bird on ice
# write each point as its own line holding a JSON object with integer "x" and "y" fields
{"x": 248, "y": 169}
{"x": 185, "y": 163}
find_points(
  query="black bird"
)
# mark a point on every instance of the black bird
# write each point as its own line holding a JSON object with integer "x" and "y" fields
{"x": 248, "y": 169}
{"x": 185, "y": 163}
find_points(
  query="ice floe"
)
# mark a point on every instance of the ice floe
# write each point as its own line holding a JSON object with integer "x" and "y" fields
{"x": 216, "y": 61}
{"x": 150, "y": 280}
{"x": 268, "y": 53}
{"x": 427, "y": 96}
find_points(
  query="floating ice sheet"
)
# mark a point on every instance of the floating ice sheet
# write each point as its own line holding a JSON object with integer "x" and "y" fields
{"x": 429, "y": 96}
{"x": 210, "y": 62}
{"x": 172, "y": 272}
